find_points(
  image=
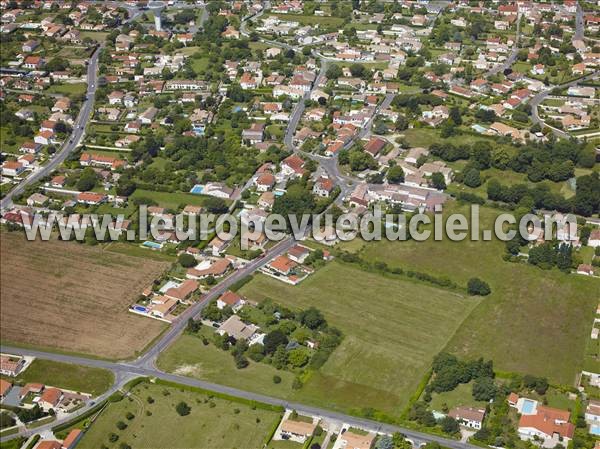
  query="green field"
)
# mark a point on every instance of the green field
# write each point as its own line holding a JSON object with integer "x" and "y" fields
{"x": 222, "y": 425}
{"x": 392, "y": 326}
{"x": 169, "y": 200}
{"x": 68, "y": 89}
{"x": 70, "y": 377}
{"x": 534, "y": 321}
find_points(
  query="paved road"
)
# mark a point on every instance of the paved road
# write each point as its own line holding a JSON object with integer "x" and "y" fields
{"x": 541, "y": 96}
{"x": 71, "y": 143}
{"x": 126, "y": 371}
{"x": 513, "y": 54}
{"x": 579, "y": 29}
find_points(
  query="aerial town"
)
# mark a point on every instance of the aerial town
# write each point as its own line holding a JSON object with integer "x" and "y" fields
{"x": 149, "y": 114}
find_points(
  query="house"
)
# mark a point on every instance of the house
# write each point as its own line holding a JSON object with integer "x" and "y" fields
{"x": 547, "y": 424}
{"x": 45, "y": 137}
{"x": 468, "y": 416}
{"x": 298, "y": 253}
{"x": 266, "y": 200}
{"x": 230, "y": 299}
{"x": 282, "y": 265}
{"x": 33, "y": 62}
{"x": 37, "y": 199}
{"x": 594, "y": 240}
{"x": 297, "y": 431}
{"x": 34, "y": 388}
{"x": 29, "y": 46}
{"x": 216, "y": 269}
{"x": 5, "y": 387}
{"x": 48, "y": 444}
{"x": 374, "y": 146}
{"x": 72, "y": 439}
{"x": 164, "y": 308}
{"x": 264, "y": 182}
{"x": 148, "y": 115}
{"x": 323, "y": 187}
{"x": 11, "y": 365}
{"x": 352, "y": 440}
{"x": 184, "y": 291}
{"x": 50, "y": 398}
{"x": 12, "y": 168}
{"x": 592, "y": 412}
{"x": 133, "y": 127}
{"x": 91, "y": 198}
{"x": 254, "y": 134}
{"x": 30, "y": 147}
{"x": 538, "y": 69}
{"x": 292, "y": 166}
{"x": 237, "y": 329}
{"x": 115, "y": 97}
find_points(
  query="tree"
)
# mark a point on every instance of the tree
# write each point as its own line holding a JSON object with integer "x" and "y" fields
{"x": 333, "y": 72}
{"x": 279, "y": 360}
{"x": 384, "y": 442}
{"x": 298, "y": 357}
{"x": 438, "y": 181}
{"x": 276, "y": 379}
{"x": 472, "y": 178}
{"x": 311, "y": 318}
{"x": 484, "y": 389}
{"x": 121, "y": 425}
{"x": 183, "y": 409}
{"x": 87, "y": 179}
{"x": 476, "y": 286}
{"x": 273, "y": 340}
{"x": 395, "y": 175}
{"x": 449, "y": 425}
{"x": 187, "y": 260}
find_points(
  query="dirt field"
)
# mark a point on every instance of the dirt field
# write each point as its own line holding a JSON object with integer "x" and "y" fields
{"x": 73, "y": 297}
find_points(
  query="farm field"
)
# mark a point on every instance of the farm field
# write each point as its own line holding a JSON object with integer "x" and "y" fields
{"x": 506, "y": 326}
{"x": 68, "y": 376}
{"x": 391, "y": 325}
{"x": 78, "y": 288}
{"x": 225, "y": 424}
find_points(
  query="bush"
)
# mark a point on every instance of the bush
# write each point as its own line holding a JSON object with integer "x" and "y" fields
{"x": 129, "y": 416}
{"x": 121, "y": 425}
{"x": 113, "y": 437}
{"x": 183, "y": 409}
{"x": 476, "y": 286}
{"x": 187, "y": 260}
{"x": 276, "y": 379}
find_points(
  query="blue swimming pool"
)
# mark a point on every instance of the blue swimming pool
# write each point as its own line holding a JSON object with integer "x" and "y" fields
{"x": 528, "y": 406}
{"x": 595, "y": 429}
{"x": 152, "y": 245}
{"x": 140, "y": 309}
{"x": 197, "y": 189}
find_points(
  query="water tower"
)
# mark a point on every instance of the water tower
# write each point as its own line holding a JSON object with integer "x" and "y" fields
{"x": 156, "y": 7}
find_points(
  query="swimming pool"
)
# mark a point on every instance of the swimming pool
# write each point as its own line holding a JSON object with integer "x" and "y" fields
{"x": 595, "y": 429}
{"x": 528, "y": 406}
{"x": 197, "y": 189}
{"x": 152, "y": 245}
{"x": 140, "y": 309}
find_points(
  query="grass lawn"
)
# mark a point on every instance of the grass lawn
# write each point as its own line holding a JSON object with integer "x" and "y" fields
{"x": 396, "y": 329}
{"x": 225, "y": 424}
{"x": 68, "y": 376}
{"x": 424, "y": 137}
{"x": 134, "y": 249}
{"x": 200, "y": 65}
{"x": 168, "y": 199}
{"x": 527, "y": 305}
{"x": 311, "y": 20}
{"x": 68, "y": 89}
{"x": 460, "y": 396}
